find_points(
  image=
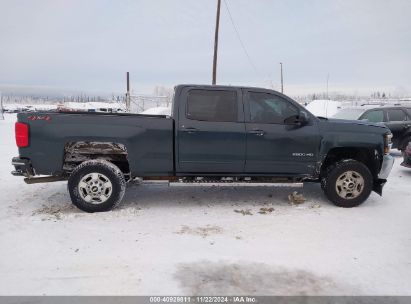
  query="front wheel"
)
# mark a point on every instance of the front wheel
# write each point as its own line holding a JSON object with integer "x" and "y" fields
{"x": 96, "y": 186}
{"x": 347, "y": 183}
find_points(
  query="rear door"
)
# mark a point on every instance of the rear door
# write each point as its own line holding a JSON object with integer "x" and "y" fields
{"x": 210, "y": 131}
{"x": 272, "y": 146}
{"x": 398, "y": 124}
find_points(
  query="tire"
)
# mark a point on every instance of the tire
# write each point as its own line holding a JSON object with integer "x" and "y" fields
{"x": 404, "y": 143}
{"x": 348, "y": 183}
{"x": 96, "y": 186}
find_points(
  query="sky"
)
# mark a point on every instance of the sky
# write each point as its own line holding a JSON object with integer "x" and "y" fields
{"x": 88, "y": 45}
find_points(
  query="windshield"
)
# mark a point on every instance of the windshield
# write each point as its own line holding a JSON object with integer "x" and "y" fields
{"x": 352, "y": 114}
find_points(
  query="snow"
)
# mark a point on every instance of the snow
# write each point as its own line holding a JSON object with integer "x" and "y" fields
{"x": 190, "y": 240}
{"x": 79, "y": 106}
{"x": 324, "y": 108}
{"x": 158, "y": 111}
{"x": 93, "y": 105}
{"x": 28, "y": 106}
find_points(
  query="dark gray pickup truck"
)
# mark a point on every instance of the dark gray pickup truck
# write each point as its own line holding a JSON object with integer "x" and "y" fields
{"x": 215, "y": 133}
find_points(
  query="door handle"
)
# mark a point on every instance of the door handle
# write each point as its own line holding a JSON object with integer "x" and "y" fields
{"x": 257, "y": 132}
{"x": 189, "y": 130}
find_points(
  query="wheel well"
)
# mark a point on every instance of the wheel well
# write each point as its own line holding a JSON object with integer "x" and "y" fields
{"x": 368, "y": 157}
{"x": 77, "y": 152}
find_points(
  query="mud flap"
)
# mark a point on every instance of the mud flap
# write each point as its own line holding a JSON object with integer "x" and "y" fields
{"x": 378, "y": 185}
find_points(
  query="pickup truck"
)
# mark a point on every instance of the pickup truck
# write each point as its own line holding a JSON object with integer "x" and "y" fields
{"x": 215, "y": 133}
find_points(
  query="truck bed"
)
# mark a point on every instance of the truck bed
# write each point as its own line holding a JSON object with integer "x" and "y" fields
{"x": 148, "y": 139}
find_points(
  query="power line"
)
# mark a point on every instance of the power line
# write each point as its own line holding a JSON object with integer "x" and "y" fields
{"x": 239, "y": 39}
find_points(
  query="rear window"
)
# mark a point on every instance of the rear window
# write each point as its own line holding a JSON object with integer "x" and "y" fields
{"x": 396, "y": 115}
{"x": 208, "y": 105}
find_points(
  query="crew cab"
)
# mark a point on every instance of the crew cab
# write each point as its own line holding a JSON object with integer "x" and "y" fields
{"x": 216, "y": 133}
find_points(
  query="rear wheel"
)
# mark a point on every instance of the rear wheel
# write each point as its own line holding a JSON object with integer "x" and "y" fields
{"x": 96, "y": 186}
{"x": 347, "y": 183}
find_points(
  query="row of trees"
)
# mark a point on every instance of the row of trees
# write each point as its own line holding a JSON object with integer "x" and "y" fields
{"x": 167, "y": 93}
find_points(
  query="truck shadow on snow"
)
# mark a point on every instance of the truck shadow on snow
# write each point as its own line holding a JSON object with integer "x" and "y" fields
{"x": 158, "y": 196}
{"x": 245, "y": 278}
{"x": 239, "y": 198}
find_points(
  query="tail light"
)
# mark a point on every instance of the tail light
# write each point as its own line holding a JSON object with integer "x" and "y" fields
{"x": 22, "y": 134}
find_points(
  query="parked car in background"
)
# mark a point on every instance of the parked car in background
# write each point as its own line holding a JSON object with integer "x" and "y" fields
{"x": 407, "y": 156}
{"x": 397, "y": 119}
{"x": 157, "y": 111}
{"x": 349, "y": 113}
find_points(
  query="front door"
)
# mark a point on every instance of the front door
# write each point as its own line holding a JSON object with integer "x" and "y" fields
{"x": 274, "y": 147}
{"x": 211, "y": 131}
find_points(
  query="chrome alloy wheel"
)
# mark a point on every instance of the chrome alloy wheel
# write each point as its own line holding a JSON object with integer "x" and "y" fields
{"x": 95, "y": 188}
{"x": 349, "y": 185}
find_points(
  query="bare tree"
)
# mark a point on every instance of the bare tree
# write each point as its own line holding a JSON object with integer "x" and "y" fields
{"x": 1, "y": 107}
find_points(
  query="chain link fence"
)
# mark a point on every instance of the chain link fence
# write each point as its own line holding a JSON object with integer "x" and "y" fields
{"x": 141, "y": 103}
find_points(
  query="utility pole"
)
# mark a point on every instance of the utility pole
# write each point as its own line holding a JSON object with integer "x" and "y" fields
{"x": 282, "y": 79}
{"x": 217, "y": 25}
{"x": 328, "y": 78}
{"x": 1, "y": 107}
{"x": 128, "y": 92}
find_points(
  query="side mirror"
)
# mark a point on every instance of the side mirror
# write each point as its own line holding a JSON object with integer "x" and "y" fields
{"x": 300, "y": 119}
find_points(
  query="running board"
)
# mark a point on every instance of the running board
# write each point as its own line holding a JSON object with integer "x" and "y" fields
{"x": 234, "y": 184}
{"x": 44, "y": 179}
{"x": 214, "y": 183}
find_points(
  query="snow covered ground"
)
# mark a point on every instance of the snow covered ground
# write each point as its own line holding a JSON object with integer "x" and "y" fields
{"x": 190, "y": 240}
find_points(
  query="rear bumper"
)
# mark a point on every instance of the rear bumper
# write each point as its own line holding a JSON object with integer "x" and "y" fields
{"x": 387, "y": 163}
{"x": 22, "y": 167}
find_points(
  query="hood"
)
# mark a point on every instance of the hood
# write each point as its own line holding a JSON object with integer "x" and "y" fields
{"x": 353, "y": 127}
{"x": 358, "y": 122}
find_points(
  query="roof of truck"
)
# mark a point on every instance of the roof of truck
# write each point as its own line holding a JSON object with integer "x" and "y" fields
{"x": 223, "y": 86}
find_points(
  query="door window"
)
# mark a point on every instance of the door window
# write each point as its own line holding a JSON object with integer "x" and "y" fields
{"x": 269, "y": 108}
{"x": 209, "y": 105}
{"x": 396, "y": 115}
{"x": 374, "y": 116}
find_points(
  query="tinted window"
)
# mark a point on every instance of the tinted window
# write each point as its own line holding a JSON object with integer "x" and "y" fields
{"x": 396, "y": 115}
{"x": 212, "y": 105}
{"x": 374, "y": 116}
{"x": 269, "y": 108}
